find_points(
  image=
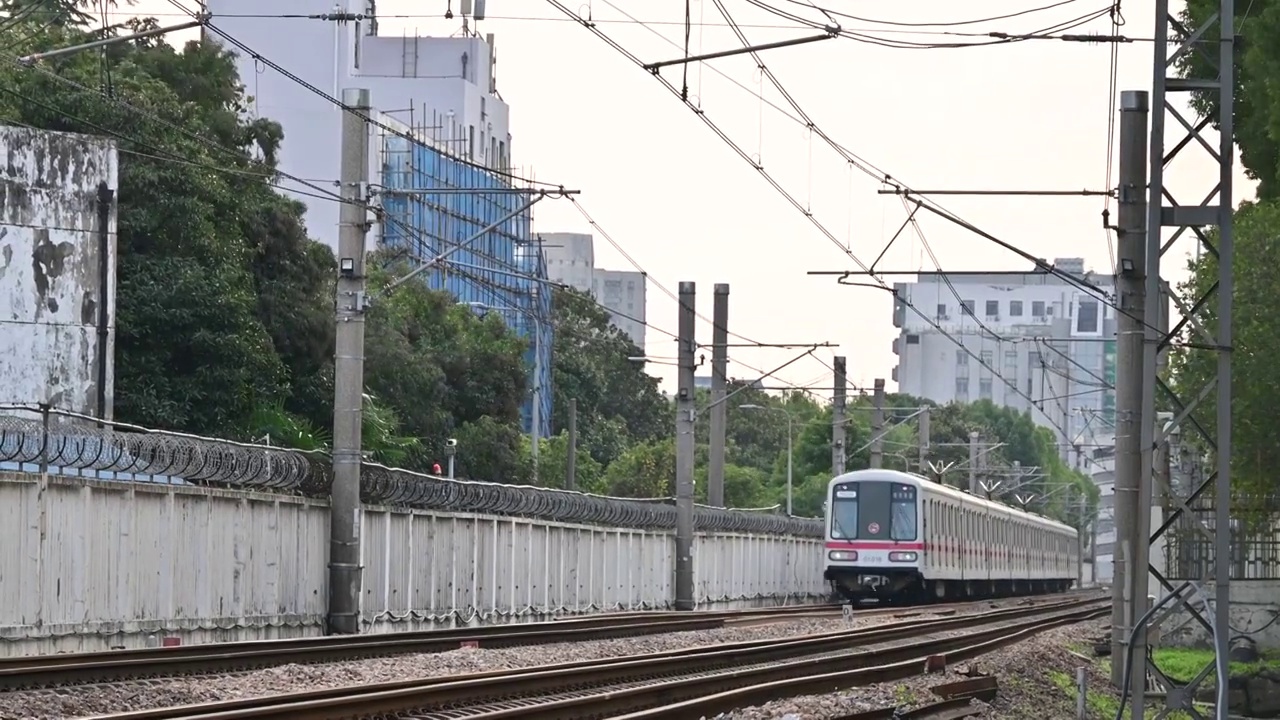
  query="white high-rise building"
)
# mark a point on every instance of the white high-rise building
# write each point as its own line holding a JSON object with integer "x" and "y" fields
{"x": 1024, "y": 340}
{"x": 571, "y": 260}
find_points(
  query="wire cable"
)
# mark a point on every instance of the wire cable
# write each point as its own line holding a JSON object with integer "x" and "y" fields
{"x": 649, "y": 278}
{"x": 800, "y": 117}
{"x": 955, "y": 23}
{"x": 260, "y": 58}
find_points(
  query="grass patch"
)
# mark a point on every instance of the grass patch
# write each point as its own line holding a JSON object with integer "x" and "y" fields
{"x": 1101, "y": 705}
{"x": 1184, "y": 664}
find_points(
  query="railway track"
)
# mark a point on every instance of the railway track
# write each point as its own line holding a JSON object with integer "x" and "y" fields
{"x": 81, "y": 668}
{"x": 71, "y": 669}
{"x": 675, "y": 684}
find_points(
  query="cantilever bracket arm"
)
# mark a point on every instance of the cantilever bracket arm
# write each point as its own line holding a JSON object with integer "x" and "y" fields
{"x": 32, "y": 59}
{"x": 831, "y": 31}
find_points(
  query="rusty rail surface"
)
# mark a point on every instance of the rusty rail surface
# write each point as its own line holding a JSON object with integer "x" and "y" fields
{"x": 80, "y": 668}
{"x": 671, "y": 684}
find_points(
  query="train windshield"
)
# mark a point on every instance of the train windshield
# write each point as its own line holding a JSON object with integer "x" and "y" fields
{"x": 873, "y": 511}
{"x": 844, "y": 511}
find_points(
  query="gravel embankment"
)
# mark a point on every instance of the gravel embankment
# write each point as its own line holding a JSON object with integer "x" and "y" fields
{"x": 80, "y": 701}
{"x": 86, "y": 700}
{"x": 1026, "y": 673}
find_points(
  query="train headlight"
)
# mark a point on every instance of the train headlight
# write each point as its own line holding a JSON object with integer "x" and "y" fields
{"x": 902, "y": 557}
{"x": 843, "y": 555}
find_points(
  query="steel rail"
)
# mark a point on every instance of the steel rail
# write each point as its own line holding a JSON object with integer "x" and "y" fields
{"x": 69, "y": 669}
{"x": 80, "y": 668}
{"x": 443, "y": 694}
{"x": 804, "y": 679}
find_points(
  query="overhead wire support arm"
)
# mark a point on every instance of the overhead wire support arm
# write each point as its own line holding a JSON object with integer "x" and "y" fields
{"x": 832, "y": 31}
{"x": 479, "y": 234}
{"x": 472, "y": 191}
{"x": 1037, "y": 193}
{"x": 34, "y": 58}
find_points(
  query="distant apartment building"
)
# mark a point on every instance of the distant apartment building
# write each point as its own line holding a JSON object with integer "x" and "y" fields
{"x": 441, "y": 174}
{"x": 1031, "y": 341}
{"x": 571, "y": 260}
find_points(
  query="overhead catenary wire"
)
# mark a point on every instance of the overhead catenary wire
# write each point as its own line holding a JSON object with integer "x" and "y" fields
{"x": 1052, "y": 32}
{"x": 808, "y": 122}
{"x": 800, "y": 117}
{"x": 946, "y": 23}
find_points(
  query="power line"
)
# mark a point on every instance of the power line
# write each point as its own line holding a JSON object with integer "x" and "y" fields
{"x": 259, "y": 57}
{"x": 1052, "y": 32}
{"x": 808, "y": 122}
{"x": 954, "y": 23}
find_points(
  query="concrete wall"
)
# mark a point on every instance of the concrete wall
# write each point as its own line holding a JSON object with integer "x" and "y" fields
{"x": 53, "y": 281}
{"x": 1255, "y": 609}
{"x": 90, "y": 565}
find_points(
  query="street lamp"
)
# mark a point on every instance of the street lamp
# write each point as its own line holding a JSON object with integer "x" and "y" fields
{"x": 537, "y": 373}
{"x": 784, "y": 412}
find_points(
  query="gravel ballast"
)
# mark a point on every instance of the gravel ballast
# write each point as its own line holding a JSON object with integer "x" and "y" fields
{"x": 1026, "y": 673}
{"x": 104, "y": 698}
{"x": 80, "y": 701}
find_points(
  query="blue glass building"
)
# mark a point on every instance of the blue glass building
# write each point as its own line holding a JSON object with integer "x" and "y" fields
{"x": 502, "y": 271}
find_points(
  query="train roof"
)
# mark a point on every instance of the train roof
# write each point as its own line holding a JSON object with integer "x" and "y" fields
{"x": 925, "y": 483}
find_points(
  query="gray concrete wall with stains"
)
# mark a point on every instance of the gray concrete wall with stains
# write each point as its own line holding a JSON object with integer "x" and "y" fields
{"x": 57, "y": 269}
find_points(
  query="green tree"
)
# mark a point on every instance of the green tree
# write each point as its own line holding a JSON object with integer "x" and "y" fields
{"x": 553, "y": 464}
{"x": 1256, "y": 380}
{"x": 192, "y": 351}
{"x": 490, "y": 450}
{"x": 224, "y": 323}
{"x": 644, "y": 470}
{"x": 618, "y": 403}
{"x": 1257, "y": 99}
{"x": 441, "y": 367}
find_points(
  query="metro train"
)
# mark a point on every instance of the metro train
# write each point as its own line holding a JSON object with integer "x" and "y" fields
{"x": 901, "y": 538}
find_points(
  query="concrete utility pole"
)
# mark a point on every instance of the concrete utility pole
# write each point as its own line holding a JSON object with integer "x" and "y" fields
{"x": 571, "y": 463}
{"x": 1080, "y": 541}
{"x": 922, "y": 431}
{"x": 1130, "y": 280}
{"x": 877, "y": 425}
{"x": 685, "y": 448}
{"x": 838, "y": 418}
{"x": 348, "y": 369}
{"x": 719, "y": 367}
{"x": 973, "y": 461}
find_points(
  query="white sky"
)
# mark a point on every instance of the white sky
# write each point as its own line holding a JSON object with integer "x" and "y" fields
{"x": 1029, "y": 115}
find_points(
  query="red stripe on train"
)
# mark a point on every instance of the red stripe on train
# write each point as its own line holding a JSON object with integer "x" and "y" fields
{"x": 874, "y": 545}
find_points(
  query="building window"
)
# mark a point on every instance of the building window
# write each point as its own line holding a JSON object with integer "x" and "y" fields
{"x": 942, "y": 311}
{"x": 1034, "y": 361}
{"x": 984, "y": 388}
{"x": 913, "y": 339}
{"x": 1011, "y": 362}
{"x": 1037, "y": 308}
{"x": 471, "y": 142}
{"x": 967, "y": 307}
{"x": 962, "y": 387}
{"x": 987, "y": 357}
{"x": 962, "y": 357}
{"x": 993, "y": 308}
{"x": 1087, "y": 316}
{"x": 1015, "y": 308}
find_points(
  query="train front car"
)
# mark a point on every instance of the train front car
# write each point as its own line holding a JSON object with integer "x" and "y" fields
{"x": 873, "y": 540}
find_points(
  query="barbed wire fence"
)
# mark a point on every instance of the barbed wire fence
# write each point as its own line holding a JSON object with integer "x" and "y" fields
{"x": 43, "y": 439}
